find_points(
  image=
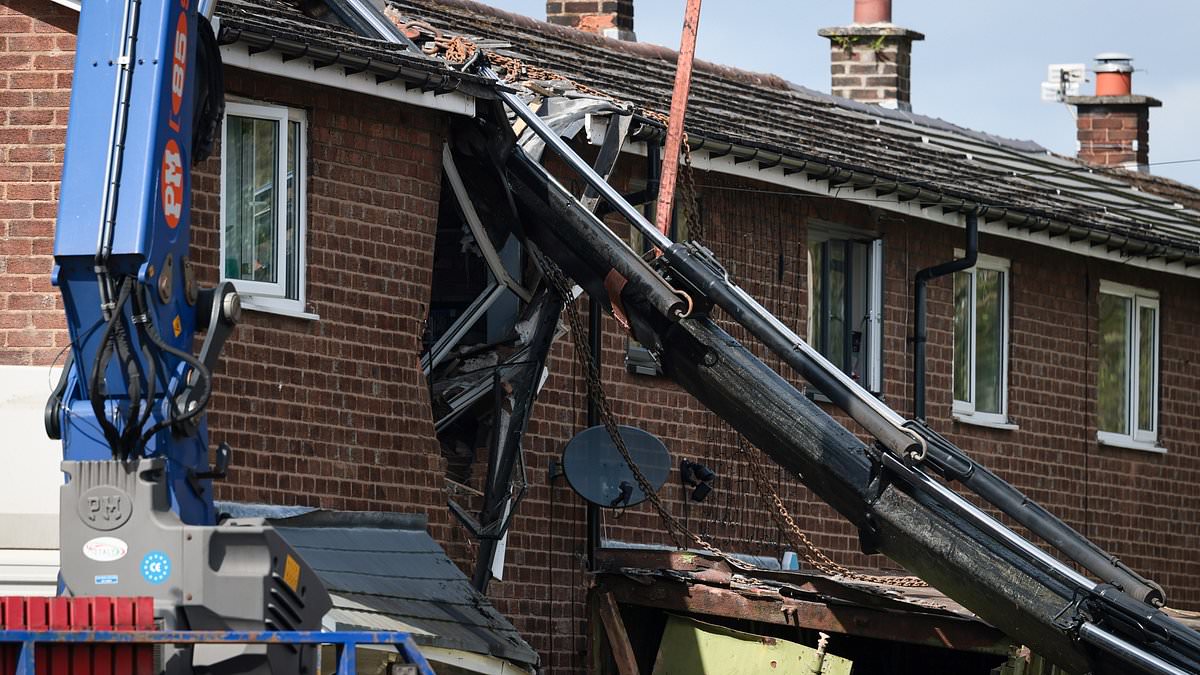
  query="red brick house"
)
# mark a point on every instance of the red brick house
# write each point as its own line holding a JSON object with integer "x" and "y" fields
{"x": 1066, "y": 360}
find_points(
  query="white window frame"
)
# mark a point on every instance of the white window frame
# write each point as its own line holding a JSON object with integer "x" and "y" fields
{"x": 964, "y": 411}
{"x": 272, "y": 296}
{"x": 820, "y": 231}
{"x": 1136, "y": 439}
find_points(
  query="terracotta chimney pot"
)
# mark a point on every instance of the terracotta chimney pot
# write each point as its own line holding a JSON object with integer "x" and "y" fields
{"x": 1114, "y": 74}
{"x": 872, "y": 11}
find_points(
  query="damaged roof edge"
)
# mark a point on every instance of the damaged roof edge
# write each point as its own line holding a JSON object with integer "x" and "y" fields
{"x": 433, "y": 87}
{"x": 894, "y": 194}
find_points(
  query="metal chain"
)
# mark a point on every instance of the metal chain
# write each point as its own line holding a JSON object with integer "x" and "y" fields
{"x": 678, "y": 532}
{"x": 693, "y": 223}
{"x": 812, "y": 553}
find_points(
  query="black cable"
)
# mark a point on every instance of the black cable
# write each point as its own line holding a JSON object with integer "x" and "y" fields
{"x": 133, "y": 377}
{"x": 151, "y": 361}
{"x": 111, "y": 434}
{"x": 203, "y": 376}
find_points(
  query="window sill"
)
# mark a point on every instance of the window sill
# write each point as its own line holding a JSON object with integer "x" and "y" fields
{"x": 274, "y": 306}
{"x": 986, "y": 423}
{"x": 1127, "y": 443}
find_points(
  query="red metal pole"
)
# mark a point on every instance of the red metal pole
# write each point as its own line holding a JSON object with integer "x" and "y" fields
{"x": 683, "y": 82}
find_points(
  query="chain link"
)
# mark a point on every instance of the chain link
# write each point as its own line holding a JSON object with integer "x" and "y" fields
{"x": 800, "y": 541}
{"x": 693, "y": 223}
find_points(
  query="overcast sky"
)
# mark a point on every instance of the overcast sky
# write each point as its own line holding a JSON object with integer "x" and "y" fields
{"x": 981, "y": 63}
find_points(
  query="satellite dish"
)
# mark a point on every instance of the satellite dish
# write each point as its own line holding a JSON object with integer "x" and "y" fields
{"x": 597, "y": 472}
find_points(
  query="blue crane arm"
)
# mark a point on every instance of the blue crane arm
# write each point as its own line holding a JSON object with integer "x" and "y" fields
{"x": 133, "y": 388}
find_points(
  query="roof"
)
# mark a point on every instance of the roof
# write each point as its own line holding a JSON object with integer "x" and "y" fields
{"x": 767, "y": 120}
{"x": 384, "y": 572}
{"x": 281, "y": 25}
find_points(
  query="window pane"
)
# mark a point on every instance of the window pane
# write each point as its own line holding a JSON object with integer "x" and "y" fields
{"x": 835, "y": 350}
{"x": 962, "y": 338}
{"x": 1146, "y": 388}
{"x": 989, "y": 339}
{"x": 815, "y": 262}
{"x": 1114, "y": 364}
{"x": 250, "y": 199}
{"x": 293, "y": 210}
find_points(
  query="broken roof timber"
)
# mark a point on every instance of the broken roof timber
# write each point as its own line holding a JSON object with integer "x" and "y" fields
{"x": 675, "y": 595}
{"x": 687, "y": 582}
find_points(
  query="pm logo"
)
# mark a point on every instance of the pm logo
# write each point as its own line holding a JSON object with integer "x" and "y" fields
{"x": 172, "y": 183}
{"x": 104, "y": 508}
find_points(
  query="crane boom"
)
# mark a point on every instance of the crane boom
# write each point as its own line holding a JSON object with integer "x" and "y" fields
{"x": 887, "y": 490}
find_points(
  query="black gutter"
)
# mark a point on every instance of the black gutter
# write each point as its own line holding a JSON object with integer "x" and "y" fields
{"x": 817, "y": 168}
{"x": 920, "y": 335}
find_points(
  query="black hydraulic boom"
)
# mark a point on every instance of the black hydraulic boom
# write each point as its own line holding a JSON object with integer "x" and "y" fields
{"x": 887, "y": 490}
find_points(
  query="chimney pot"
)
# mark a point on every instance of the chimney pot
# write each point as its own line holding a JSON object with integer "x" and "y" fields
{"x": 1114, "y": 74}
{"x": 872, "y": 11}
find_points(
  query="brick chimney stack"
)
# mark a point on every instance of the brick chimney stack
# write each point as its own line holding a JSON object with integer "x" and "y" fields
{"x": 1113, "y": 127}
{"x": 610, "y": 18}
{"x": 871, "y": 59}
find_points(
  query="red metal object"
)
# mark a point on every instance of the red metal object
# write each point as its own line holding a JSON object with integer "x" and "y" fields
{"x": 683, "y": 83}
{"x": 75, "y": 614}
{"x": 59, "y": 661}
{"x": 872, "y": 11}
{"x": 1114, "y": 84}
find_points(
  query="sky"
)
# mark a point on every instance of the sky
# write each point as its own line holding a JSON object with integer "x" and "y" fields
{"x": 982, "y": 61}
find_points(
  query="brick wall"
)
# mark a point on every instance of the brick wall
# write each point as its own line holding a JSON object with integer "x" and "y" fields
{"x": 1114, "y": 135}
{"x": 37, "y": 48}
{"x": 335, "y": 412}
{"x": 613, "y": 18}
{"x": 872, "y": 64}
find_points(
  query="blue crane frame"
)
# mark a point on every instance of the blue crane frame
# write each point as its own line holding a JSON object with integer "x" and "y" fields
{"x": 129, "y": 172}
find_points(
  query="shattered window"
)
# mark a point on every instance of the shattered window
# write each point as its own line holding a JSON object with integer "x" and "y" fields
{"x": 262, "y": 205}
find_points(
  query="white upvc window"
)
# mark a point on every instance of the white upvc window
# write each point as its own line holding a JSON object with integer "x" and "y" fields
{"x": 263, "y": 197}
{"x": 845, "y": 301}
{"x": 1127, "y": 373}
{"x": 981, "y": 308}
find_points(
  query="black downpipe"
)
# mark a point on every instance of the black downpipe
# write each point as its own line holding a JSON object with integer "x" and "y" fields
{"x": 920, "y": 333}
{"x": 593, "y": 418}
